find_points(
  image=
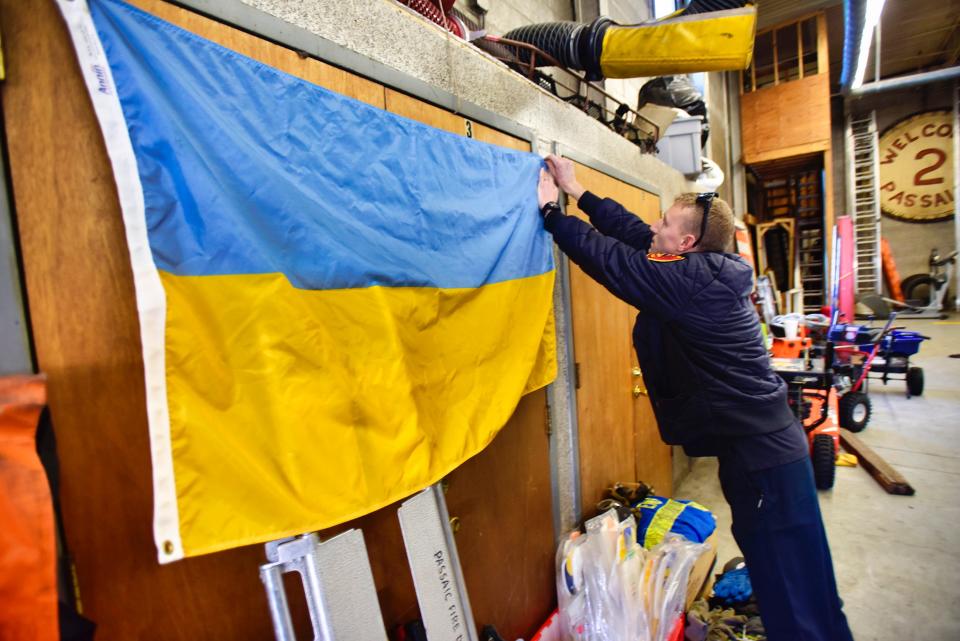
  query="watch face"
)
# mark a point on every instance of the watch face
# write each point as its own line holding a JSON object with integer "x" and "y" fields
{"x": 916, "y": 168}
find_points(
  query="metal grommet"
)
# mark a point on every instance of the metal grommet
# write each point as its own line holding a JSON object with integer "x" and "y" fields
{"x": 455, "y": 524}
{"x": 168, "y": 547}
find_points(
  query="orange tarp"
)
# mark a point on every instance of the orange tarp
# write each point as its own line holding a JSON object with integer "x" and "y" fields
{"x": 28, "y": 582}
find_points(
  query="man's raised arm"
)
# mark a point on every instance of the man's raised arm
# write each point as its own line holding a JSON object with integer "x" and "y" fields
{"x": 608, "y": 216}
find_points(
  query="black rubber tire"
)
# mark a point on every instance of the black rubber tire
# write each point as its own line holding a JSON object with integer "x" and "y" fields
{"x": 824, "y": 461}
{"x": 916, "y": 288}
{"x": 915, "y": 381}
{"x": 854, "y": 409}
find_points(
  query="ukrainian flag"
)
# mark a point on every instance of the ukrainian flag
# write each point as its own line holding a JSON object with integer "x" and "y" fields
{"x": 338, "y": 306}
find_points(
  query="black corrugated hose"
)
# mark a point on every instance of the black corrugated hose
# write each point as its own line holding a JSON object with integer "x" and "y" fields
{"x": 556, "y": 38}
{"x": 574, "y": 45}
{"x": 703, "y": 6}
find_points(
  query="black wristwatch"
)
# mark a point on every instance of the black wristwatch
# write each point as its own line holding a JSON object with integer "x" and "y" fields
{"x": 549, "y": 208}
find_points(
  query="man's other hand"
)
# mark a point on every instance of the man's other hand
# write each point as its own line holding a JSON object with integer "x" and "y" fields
{"x": 562, "y": 171}
{"x": 546, "y": 189}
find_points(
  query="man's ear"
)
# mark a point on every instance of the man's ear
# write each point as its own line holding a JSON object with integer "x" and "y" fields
{"x": 686, "y": 242}
{"x": 688, "y": 239}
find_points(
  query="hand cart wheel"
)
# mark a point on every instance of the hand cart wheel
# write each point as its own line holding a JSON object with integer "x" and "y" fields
{"x": 824, "y": 461}
{"x": 854, "y": 409}
{"x": 915, "y": 381}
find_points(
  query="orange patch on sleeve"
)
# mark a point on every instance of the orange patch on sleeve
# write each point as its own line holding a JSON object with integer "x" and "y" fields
{"x": 660, "y": 257}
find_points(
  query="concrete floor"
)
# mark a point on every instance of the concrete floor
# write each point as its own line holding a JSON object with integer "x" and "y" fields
{"x": 897, "y": 558}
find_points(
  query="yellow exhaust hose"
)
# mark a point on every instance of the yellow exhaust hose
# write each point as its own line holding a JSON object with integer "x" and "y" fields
{"x": 715, "y": 41}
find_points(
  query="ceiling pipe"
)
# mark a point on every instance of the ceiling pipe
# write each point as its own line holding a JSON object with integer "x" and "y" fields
{"x": 854, "y": 14}
{"x": 904, "y": 82}
{"x": 871, "y": 20}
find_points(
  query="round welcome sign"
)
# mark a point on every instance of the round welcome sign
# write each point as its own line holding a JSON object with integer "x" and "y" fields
{"x": 916, "y": 168}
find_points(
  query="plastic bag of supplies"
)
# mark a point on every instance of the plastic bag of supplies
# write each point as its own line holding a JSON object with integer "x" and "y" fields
{"x": 609, "y": 588}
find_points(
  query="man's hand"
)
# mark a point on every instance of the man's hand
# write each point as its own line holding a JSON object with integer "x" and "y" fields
{"x": 546, "y": 189}
{"x": 562, "y": 171}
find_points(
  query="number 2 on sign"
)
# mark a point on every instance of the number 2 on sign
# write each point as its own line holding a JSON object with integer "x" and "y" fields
{"x": 941, "y": 158}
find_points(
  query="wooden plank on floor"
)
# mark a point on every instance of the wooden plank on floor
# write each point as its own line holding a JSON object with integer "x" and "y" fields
{"x": 701, "y": 575}
{"x": 890, "y": 479}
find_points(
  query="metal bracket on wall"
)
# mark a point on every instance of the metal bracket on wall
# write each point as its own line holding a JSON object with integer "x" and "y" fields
{"x": 338, "y": 584}
{"x": 435, "y": 565}
{"x": 562, "y": 404}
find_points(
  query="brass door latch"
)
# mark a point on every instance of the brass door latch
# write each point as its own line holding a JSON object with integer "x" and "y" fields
{"x": 637, "y": 389}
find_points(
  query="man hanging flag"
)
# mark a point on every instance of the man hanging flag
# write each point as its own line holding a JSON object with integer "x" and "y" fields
{"x": 337, "y": 305}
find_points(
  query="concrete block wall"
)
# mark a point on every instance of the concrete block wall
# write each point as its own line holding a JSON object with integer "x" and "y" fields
{"x": 504, "y": 15}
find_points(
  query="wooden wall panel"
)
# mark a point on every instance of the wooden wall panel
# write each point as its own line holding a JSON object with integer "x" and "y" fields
{"x": 787, "y": 120}
{"x": 85, "y": 328}
{"x": 502, "y": 498}
{"x": 601, "y": 344}
{"x": 653, "y": 458}
{"x": 619, "y": 440}
{"x": 414, "y": 109}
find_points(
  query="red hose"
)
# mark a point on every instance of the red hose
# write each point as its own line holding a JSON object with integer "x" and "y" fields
{"x": 436, "y": 14}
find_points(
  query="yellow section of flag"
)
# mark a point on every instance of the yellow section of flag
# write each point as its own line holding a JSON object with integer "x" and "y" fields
{"x": 293, "y": 410}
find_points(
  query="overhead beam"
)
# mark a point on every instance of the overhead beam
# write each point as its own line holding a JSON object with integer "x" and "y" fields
{"x": 904, "y": 82}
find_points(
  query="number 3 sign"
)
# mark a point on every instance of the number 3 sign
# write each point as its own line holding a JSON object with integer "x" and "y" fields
{"x": 916, "y": 168}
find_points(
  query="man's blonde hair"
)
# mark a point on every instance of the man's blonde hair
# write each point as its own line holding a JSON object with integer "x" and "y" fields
{"x": 719, "y": 234}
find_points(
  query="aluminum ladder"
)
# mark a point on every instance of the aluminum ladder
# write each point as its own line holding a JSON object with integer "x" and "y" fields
{"x": 863, "y": 200}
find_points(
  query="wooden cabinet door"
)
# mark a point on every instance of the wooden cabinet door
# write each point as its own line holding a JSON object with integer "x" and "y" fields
{"x": 618, "y": 435}
{"x": 601, "y": 344}
{"x": 654, "y": 457}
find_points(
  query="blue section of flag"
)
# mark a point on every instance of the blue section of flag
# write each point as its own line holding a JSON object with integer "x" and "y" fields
{"x": 248, "y": 170}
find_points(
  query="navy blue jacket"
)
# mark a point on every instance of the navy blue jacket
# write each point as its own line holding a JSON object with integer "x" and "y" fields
{"x": 697, "y": 335}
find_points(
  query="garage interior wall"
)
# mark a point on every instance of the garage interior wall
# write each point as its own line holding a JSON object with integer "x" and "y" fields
{"x": 910, "y": 243}
{"x": 85, "y": 333}
{"x": 504, "y": 15}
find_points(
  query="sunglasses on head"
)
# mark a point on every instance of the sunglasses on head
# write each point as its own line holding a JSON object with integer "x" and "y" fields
{"x": 704, "y": 200}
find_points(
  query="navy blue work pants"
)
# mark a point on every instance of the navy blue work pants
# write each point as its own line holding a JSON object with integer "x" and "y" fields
{"x": 777, "y": 524}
